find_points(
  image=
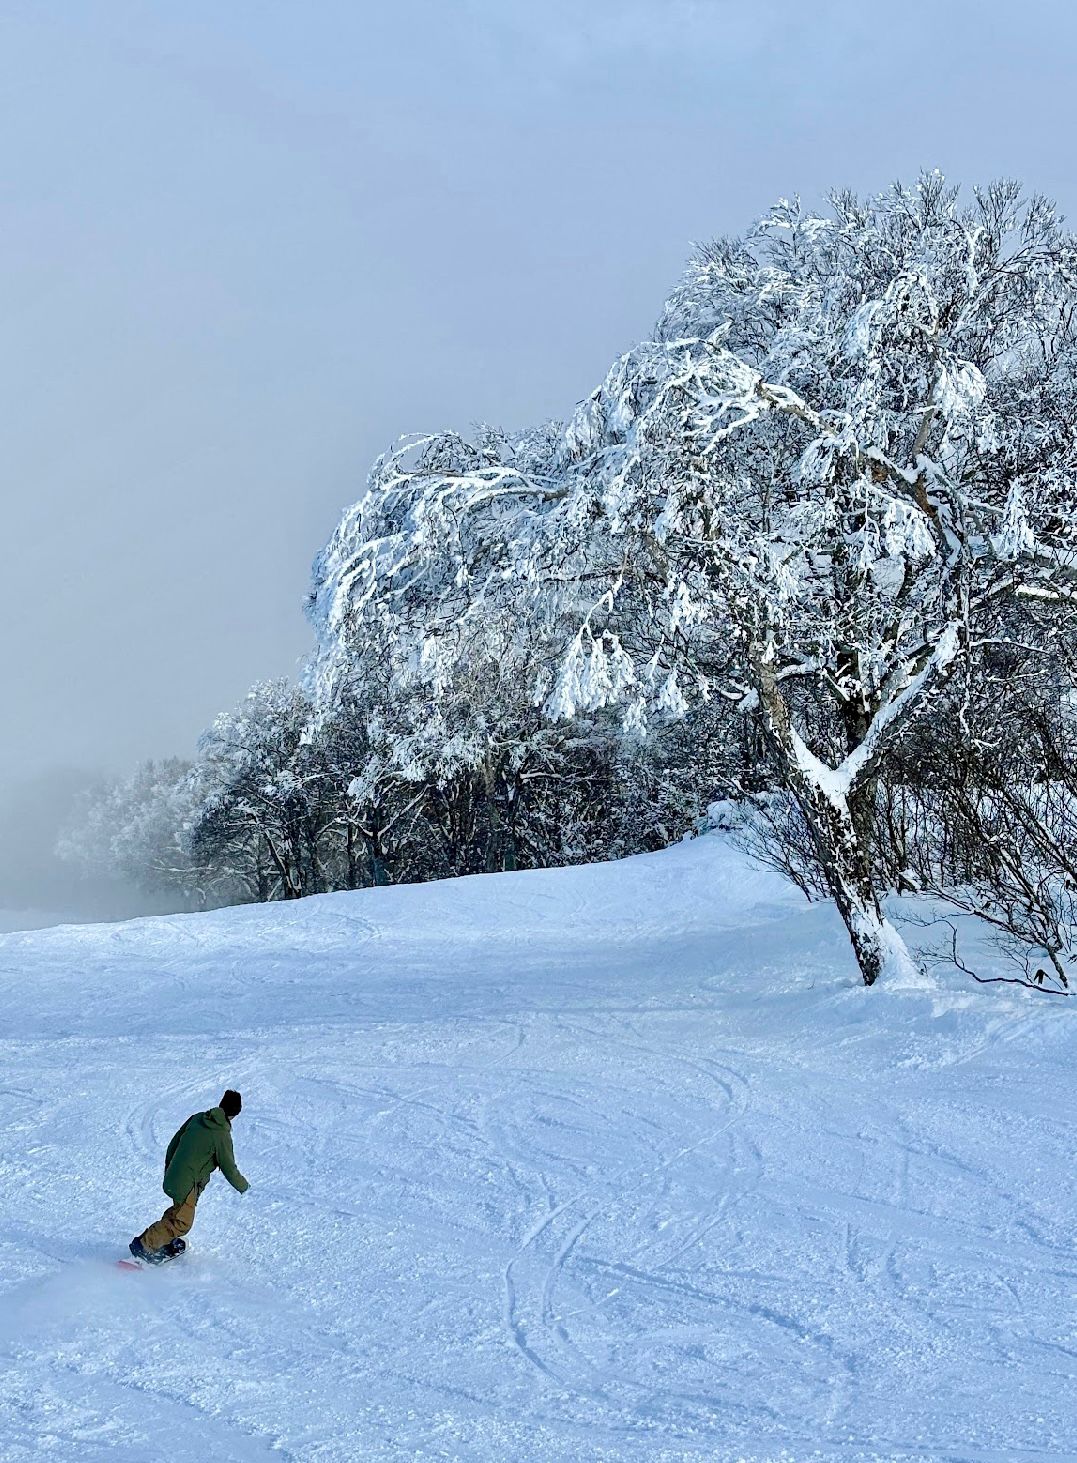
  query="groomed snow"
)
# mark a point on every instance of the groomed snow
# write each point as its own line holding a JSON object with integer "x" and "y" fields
{"x": 605, "y": 1163}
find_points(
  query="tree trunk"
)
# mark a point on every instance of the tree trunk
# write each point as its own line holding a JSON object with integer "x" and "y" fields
{"x": 378, "y": 873}
{"x": 862, "y": 799}
{"x": 352, "y": 874}
{"x": 375, "y": 849}
{"x": 845, "y": 862}
{"x": 498, "y": 856}
{"x": 848, "y": 873}
{"x": 314, "y": 861}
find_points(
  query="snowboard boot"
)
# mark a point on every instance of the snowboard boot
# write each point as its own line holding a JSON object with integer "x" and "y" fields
{"x": 174, "y": 1248}
{"x": 152, "y": 1257}
{"x": 142, "y": 1254}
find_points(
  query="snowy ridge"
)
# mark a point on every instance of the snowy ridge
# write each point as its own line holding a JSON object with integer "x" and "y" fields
{"x": 613, "y": 1162}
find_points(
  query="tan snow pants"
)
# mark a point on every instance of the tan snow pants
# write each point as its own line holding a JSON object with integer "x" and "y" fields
{"x": 173, "y": 1223}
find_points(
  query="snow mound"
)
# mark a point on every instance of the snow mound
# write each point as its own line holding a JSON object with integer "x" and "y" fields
{"x": 616, "y": 1162}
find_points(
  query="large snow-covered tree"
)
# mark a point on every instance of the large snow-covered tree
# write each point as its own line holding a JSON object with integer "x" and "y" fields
{"x": 851, "y": 439}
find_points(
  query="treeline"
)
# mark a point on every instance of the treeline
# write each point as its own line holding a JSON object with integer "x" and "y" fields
{"x": 282, "y": 801}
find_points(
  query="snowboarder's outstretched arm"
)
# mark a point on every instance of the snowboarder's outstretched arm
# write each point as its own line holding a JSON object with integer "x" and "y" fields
{"x": 226, "y": 1162}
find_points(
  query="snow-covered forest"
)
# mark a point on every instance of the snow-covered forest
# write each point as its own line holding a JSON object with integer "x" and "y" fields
{"x": 805, "y": 561}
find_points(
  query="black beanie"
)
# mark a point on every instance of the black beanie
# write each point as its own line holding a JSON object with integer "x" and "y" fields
{"x": 231, "y": 1103}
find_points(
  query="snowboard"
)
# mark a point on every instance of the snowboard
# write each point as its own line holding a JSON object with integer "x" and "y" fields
{"x": 172, "y": 1251}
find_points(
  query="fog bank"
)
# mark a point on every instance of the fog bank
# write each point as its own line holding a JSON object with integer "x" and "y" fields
{"x": 39, "y": 888}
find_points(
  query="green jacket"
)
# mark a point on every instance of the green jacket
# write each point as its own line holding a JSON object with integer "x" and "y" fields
{"x": 201, "y": 1145}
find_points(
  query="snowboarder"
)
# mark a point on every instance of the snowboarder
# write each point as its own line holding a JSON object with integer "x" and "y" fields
{"x": 202, "y": 1144}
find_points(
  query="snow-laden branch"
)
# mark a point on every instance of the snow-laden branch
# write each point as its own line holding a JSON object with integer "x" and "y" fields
{"x": 888, "y": 721}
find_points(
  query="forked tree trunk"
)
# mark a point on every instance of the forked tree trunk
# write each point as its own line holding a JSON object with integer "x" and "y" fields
{"x": 845, "y": 862}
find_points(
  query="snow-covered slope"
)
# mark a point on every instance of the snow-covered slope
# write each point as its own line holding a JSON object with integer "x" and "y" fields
{"x": 603, "y": 1163}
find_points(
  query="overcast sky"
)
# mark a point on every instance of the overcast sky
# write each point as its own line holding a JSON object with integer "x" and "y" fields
{"x": 245, "y": 245}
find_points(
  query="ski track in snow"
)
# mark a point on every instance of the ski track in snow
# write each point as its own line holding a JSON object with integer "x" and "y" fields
{"x": 605, "y": 1163}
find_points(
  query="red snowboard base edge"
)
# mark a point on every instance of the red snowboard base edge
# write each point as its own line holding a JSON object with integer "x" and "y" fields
{"x": 128, "y": 1265}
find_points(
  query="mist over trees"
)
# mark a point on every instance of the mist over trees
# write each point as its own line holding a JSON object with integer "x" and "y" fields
{"x": 36, "y": 884}
{"x": 809, "y": 551}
